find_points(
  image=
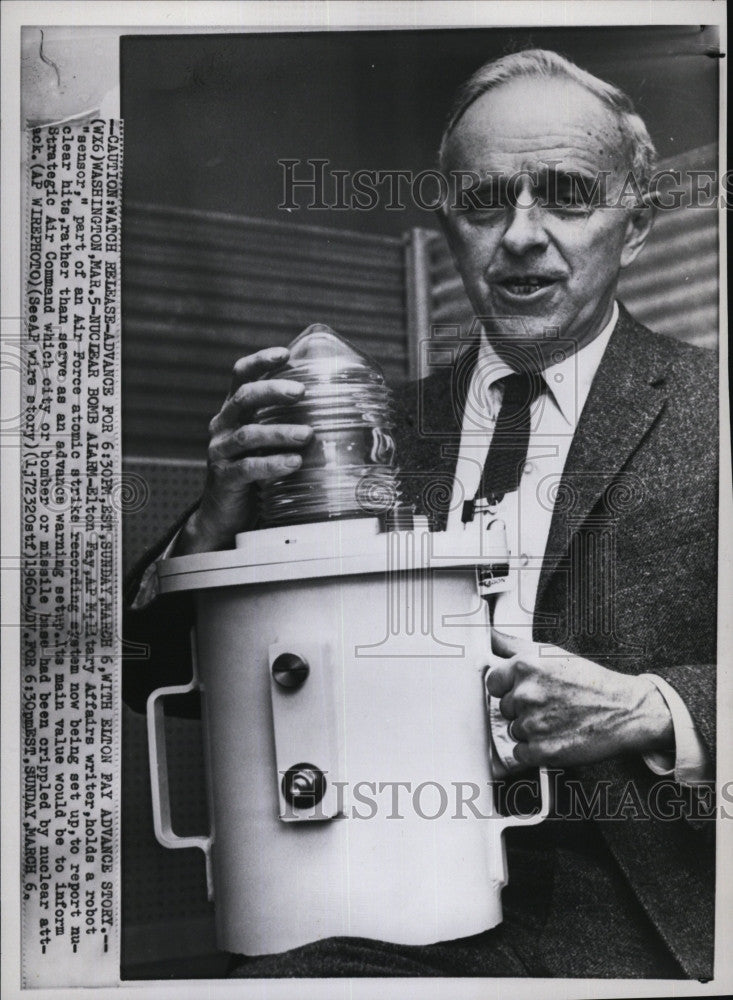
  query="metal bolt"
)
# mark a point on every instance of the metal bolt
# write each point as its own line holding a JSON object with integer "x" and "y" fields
{"x": 303, "y": 785}
{"x": 290, "y": 670}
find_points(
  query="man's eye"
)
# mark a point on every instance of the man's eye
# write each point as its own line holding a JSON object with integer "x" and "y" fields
{"x": 569, "y": 204}
{"x": 481, "y": 209}
{"x": 488, "y": 199}
{"x": 572, "y": 205}
{"x": 572, "y": 198}
{"x": 478, "y": 216}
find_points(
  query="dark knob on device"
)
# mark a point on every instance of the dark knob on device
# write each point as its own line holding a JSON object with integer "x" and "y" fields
{"x": 304, "y": 785}
{"x": 290, "y": 670}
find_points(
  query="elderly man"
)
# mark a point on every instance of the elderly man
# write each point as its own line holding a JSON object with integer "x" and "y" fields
{"x": 594, "y": 439}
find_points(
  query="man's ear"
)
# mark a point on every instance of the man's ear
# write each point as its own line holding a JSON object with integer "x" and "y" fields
{"x": 638, "y": 226}
{"x": 442, "y": 216}
{"x": 446, "y": 228}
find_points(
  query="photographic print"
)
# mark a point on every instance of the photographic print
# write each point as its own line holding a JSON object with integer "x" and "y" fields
{"x": 370, "y": 482}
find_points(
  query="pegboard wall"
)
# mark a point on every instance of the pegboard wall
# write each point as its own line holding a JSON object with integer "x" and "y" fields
{"x": 163, "y": 489}
{"x": 201, "y": 289}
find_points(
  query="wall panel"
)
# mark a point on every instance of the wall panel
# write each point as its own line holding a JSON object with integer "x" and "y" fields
{"x": 200, "y": 289}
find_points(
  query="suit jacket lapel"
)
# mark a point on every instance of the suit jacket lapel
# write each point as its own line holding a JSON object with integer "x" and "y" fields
{"x": 625, "y": 399}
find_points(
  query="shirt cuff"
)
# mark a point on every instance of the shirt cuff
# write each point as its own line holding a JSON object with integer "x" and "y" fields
{"x": 149, "y": 586}
{"x": 689, "y": 764}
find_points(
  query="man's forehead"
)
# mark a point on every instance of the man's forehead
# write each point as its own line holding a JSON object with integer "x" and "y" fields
{"x": 532, "y": 118}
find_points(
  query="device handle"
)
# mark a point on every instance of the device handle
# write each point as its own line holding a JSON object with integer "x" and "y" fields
{"x": 531, "y": 819}
{"x": 159, "y": 783}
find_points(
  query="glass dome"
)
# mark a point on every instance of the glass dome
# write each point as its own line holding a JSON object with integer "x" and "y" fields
{"x": 349, "y": 466}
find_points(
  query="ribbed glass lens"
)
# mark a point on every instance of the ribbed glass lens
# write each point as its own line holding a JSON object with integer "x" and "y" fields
{"x": 349, "y": 466}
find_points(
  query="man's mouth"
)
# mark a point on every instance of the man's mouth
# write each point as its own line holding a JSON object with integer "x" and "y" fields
{"x": 526, "y": 285}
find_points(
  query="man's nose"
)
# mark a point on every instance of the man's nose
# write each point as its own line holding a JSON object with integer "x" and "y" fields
{"x": 525, "y": 230}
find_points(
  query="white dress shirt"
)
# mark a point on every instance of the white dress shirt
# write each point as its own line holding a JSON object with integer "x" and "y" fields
{"x": 527, "y": 513}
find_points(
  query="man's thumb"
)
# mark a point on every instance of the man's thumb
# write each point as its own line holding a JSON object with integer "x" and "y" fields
{"x": 503, "y": 644}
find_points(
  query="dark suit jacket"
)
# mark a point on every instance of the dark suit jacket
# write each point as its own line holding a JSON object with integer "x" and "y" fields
{"x": 629, "y": 581}
{"x": 629, "y": 578}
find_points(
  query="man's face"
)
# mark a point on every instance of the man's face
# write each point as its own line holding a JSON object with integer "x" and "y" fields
{"x": 536, "y": 268}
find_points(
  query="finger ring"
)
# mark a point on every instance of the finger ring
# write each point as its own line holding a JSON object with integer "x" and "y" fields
{"x": 510, "y": 732}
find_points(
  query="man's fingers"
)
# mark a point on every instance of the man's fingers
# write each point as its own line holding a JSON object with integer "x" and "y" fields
{"x": 499, "y": 679}
{"x": 253, "y": 437}
{"x": 259, "y": 468}
{"x": 503, "y": 644}
{"x": 252, "y": 396}
{"x": 249, "y": 368}
{"x": 526, "y": 754}
{"x": 507, "y": 707}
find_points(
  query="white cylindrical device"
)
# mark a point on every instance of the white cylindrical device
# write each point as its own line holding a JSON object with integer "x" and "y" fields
{"x": 347, "y": 741}
{"x": 341, "y": 666}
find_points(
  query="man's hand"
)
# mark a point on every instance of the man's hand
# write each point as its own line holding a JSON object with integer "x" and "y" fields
{"x": 567, "y": 710}
{"x": 242, "y": 453}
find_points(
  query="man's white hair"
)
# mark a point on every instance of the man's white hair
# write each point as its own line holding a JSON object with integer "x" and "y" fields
{"x": 544, "y": 63}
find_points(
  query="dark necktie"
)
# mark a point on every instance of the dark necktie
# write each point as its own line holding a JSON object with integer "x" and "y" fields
{"x": 507, "y": 454}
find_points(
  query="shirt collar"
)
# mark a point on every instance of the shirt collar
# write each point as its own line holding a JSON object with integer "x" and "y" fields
{"x": 568, "y": 380}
